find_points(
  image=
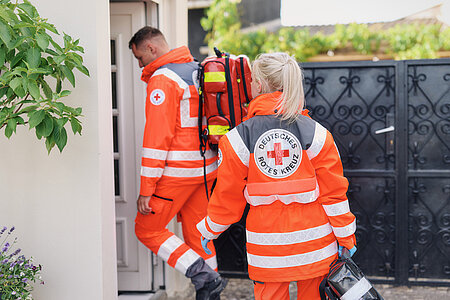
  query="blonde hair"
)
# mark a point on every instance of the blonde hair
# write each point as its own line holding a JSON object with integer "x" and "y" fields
{"x": 280, "y": 72}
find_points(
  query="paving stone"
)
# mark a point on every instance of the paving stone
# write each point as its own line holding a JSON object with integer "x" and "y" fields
{"x": 242, "y": 289}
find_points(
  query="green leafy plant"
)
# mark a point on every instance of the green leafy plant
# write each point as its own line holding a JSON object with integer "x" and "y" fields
{"x": 16, "y": 271}
{"x": 34, "y": 68}
{"x": 409, "y": 41}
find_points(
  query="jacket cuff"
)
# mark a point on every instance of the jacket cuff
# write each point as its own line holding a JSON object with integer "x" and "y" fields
{"x": 347, "y": 242}
{"x": 201, "y": 226}
{"x": 147, "y": 189}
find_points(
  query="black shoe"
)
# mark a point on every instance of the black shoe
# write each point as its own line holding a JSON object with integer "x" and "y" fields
{"x": 211, "y": 290}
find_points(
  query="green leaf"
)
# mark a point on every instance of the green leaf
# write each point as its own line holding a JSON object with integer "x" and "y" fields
{"x": 78, "y": 111}
{"x": 25, "y": 84}
{"x": 39, "y": 71}
{"x": 58, "y": 85}
{"x": 15, "y": 83}
{"x": 29, "y": 9}
{"x": 42, "y": 41}
{"x": 47, "y": 90}
{"x": 49, "y": 143}
{"x": 58, "y": 48}
{"x": 10, "y": 127}
{"x": 18, "y": 42}
{"x": 38, "y": 135}
{"x": 19, "y": 120}
{"x": 28, "y": 109}
{"x": 60, "y": 137}
{"x": 3, "y": 91}
{"x": 19, "y": 56}
{"x": 60, "y": 106}
{"x": 23, "y": 24}
{"x": 59, "y": 59}
{"x": 83, "y": 70}
{"x": 49, "y": 27}
{"x": 5, "y": 35}
{"x": 65, "y": 93}
{"x": 35, "y": 118}
{"x": 2, "y": 56}
{"x": 33, "y": 57}
{"x": 4, "y": 15}
{"x": 69, "y": 74}
{"x": 50, "y": 51}
{"x": 34, "y": 89}
{"x": 76, "y": 126}
{"x": 45, "y": 128}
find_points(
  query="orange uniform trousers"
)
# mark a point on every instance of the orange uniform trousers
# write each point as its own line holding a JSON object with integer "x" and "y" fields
{"x": 307, "y": 289}
{"x": 189, "y": 203}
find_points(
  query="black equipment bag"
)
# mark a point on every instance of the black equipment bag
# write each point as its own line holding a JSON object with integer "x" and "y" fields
{"x": 346, "y": 281}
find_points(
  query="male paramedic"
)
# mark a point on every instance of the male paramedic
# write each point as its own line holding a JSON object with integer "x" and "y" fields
{"x": 172, "y": 179}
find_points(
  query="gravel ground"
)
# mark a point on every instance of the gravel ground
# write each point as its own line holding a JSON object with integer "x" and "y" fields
{"x": 242, "y": 289}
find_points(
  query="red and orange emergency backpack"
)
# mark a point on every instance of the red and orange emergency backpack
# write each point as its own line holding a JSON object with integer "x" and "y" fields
{"x": 225, "y": 93}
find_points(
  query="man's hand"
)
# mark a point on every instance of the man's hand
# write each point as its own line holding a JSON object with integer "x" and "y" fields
{"x": 142, "y": 205}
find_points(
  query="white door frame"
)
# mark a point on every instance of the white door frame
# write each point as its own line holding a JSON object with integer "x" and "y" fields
{"x": 137, "y": 270}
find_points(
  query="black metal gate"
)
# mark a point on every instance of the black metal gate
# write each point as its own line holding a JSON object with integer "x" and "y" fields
{"x": 391, "y": 123}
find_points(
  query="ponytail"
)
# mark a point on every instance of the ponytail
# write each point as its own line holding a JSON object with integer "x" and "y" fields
{"x": 280, "y": 72}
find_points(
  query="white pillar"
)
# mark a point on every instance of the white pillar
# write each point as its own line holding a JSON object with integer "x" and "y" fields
{"x": 62, "y": 204}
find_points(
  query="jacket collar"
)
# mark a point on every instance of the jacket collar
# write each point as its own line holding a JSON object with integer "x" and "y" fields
{"x": 266, "y": 104}
{"x": 177, "y": 56}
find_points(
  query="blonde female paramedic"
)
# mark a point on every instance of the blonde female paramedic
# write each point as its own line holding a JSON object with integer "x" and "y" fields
{"x": 287, "y": 167}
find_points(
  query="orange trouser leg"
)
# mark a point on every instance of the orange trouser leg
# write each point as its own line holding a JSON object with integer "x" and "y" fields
{"x": 192, "y": 212}
{"x": 151, "y": 230}
{"x": 271, "y": 290}
{"x": 308, "y": 289}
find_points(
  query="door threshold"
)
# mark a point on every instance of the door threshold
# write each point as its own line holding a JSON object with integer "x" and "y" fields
{"x": 159, "y": 295}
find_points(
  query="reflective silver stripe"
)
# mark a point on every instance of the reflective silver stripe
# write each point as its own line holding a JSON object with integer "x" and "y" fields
{"x": 336, "y": 209}
{"x": 154, "y": 153}
{"x": 288, "y": 238}
{"x": 176, "y": 155}
{"x": 201, "y": 226}
{"x": 212, "y": 262}
{"x": 175, "y": 77}
{"x": 305, "y": 197}
{"x": 320, "y": 135}
{"x": 185, "y": 115}
{"x": 189, "y": 172}
{"x": 151, "y": 172}
{"x": 238, "y": 145}
{"x": 170, "y": 245}
{"x": 292, "y": 260}
{"x": 189, "y": 155}
{"x": 186, "y": 260}
{"x": 346, "y": 230}
{"x": 216, "y": 227}
{"x": 358, "y": 290}
{"x": 185, "y": 112}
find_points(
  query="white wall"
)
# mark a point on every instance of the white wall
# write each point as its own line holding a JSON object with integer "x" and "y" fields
{"x": 62, "y": 204}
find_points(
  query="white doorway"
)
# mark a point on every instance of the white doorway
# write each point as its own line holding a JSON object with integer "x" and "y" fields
{"x": 138, "y": 269}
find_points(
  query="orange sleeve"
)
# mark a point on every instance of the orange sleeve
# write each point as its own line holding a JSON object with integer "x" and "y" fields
{"x": 227, "y": 202}
{"x": 333, "y": 188}
{"x": 161, "y": 108}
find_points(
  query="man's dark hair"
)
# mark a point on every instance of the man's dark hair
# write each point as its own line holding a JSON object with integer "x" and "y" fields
{"x": 145, "y": 33}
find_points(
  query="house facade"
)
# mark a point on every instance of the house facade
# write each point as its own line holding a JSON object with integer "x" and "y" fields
{"x": 74, "y": 211}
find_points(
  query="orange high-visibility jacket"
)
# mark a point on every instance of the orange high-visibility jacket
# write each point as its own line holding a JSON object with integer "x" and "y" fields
{"x": 292, "y": 177}
{"x": 170, "y": 152}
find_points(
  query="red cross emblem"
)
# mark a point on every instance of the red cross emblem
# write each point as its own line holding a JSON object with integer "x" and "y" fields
{"x": 278, "y": 154}
{"x": 157, "y": 97}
